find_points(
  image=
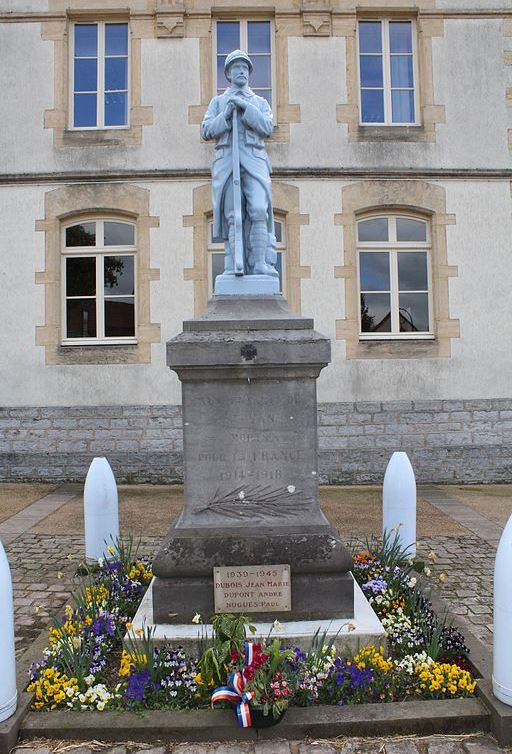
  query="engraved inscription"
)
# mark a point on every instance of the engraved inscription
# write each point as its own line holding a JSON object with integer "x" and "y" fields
{"x": 252, "y": 589}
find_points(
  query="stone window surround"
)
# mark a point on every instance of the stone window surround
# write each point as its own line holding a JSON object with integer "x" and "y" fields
{"x": 286, "y": 200}
{"x": 431, "y": 114}
{"x": 116, "y": 200}
{"x": 58, "y": 31}
{"x": 414, "y": 197}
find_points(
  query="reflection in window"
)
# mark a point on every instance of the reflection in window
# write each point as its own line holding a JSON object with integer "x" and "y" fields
{"x": 393, "y": 258}
{"x": 100, "y": 75}
{"x": 255, "y": 38}
{"x": 99, "y": 295}
{"x": 387, "y": 72}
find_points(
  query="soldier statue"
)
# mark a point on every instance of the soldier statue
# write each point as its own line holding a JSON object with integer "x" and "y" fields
{"x": 239, "y": 121}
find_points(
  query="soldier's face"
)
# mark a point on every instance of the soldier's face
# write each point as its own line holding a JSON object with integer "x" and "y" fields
{"x": 239, "y": 73}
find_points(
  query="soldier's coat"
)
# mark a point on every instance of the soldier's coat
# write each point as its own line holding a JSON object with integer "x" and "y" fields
{"x": 255, "y": 124}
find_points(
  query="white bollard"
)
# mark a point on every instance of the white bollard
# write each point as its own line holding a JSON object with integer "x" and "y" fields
{"x": 399, "y": 502}
{"x": 502, "y": 649}
{"x": 101, "y": 515}
{"x": 8, "y": 691}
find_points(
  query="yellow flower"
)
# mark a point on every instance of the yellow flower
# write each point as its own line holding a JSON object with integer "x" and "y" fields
{"x": 196, "y": 618}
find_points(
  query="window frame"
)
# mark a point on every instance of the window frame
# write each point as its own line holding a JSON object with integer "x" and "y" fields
{"x": 99, "y": 251}
{"x": 100, "y": 84}
{"x": 243, "y": 21}
{"x": 218, "y": 248}
{"x": 386, "y": 66}
{"x": 393, "y": 247}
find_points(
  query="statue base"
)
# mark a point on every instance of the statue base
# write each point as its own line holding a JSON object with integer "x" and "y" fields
{"x": 248, "y": 368}
{"x": 230, "y": 284}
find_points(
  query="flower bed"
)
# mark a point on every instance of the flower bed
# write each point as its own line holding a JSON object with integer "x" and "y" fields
{"x": 86, "y": 668}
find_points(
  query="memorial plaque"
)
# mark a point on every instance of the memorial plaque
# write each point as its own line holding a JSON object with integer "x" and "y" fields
{"x": 252, "y": 589}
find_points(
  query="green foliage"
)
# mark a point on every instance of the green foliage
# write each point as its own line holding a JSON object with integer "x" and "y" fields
{"x": 229, "y": 635}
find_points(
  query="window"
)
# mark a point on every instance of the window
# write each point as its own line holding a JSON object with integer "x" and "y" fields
{"x": 216, "y": 256}
{"x": 99, "y": 282}
{"x": 99, "y": 75}
{"x": 387, "y": 72}
{"x": 394, "y": 277}
{"x": 256, "y": 38}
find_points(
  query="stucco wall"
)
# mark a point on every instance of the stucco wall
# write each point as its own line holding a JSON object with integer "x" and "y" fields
{"x": 478, "y": 244}
{"x": 471, "y": 87}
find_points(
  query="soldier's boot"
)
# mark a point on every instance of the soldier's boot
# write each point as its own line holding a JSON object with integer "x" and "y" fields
{"x": 258, "y": 239}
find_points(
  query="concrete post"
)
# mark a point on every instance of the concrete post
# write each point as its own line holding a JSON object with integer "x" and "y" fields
{"x": 502, "y": 645}
{"x": 8, "y": 692}
{"x": 399, "y": 501}
{"x": 100, "y": 510}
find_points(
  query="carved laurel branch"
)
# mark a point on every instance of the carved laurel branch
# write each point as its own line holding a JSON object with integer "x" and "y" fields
{"x": 256, "y": 501}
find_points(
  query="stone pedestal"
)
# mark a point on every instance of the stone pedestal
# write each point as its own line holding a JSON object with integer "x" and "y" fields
{"x": 248, "y": 369}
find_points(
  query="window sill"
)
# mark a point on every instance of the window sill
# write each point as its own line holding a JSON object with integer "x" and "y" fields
{"x": 99, "y": 353}
{"x": 406, "y": 348}
{"x": 391, "y": 133}
{"x": 96, "y": 137}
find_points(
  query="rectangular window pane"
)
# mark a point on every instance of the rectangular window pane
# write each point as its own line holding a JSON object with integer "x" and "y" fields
{"x": 258, "y": 36}
{"x": 116, "y": 39}
{"x": 401, "y": 71}
{"x": 116, "y": 73}
{"x": 260, "y": 76}
{"x": 410, "y": 230}
{"x": 228, "y": 36}
{"x": 80, "y": 276}
{"x": 118, "y": 234}
{"x": 81, "y": 235}
{"x": 222, "y": 82}
{"x": 86, "y": 40}
{"x": 373, "y": 230}
{"x": 375, "y": 312}
{"x": 278, "y": 231}
{"x": 116, "y": 109}
{"x": 412, "y": 271}
{"x": 118, "y": 275}
{"x": 119, "y": 317}
{"x": 400, "y": 36}
{"x": 372, "y": 106}
{"x": 279, "y": 267}
{"x": 413, "y": 313}
{"x": 370, "y": 37}
{"x": 81, "y": 318}
{"x": 371, "y": 70}
{"x": 84, "y": 110}
{"x": 86, "y": 75}
{"x": 403, "y": 106}
{"x": 374, "y": 270}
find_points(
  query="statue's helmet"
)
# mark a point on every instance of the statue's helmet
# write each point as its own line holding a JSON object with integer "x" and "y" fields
{"x": 237, "y": 55}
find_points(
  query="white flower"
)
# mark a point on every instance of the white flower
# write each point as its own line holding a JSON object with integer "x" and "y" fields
{"x": 101, "y": 562}
{"x": 412, "y": 582}
{"x": 196, "y": 618}
{"x": 291, "y": 488}
{"x": 427, "y": 571}
{"x": 100, "y": 706}
{"x": 276, "y": 625}
{"x": 241, "y": 495}
{"x": 89, "y": 679}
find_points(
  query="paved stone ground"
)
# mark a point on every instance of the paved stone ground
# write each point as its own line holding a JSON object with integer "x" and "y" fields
{"x": 482, "y": 744}
{"x": 461, "y": 567}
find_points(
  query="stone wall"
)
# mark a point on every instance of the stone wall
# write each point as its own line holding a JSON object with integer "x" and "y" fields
{"x": 447, "y": 440}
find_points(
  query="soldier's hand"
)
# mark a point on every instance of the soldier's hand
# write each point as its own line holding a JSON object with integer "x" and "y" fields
{"x": 228, "y": 112}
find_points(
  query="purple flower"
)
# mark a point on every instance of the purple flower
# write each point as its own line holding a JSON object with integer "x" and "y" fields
{"x": 138, "y": 685}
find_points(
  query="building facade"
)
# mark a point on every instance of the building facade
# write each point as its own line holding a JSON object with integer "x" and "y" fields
{"x": 392, "y": 196}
